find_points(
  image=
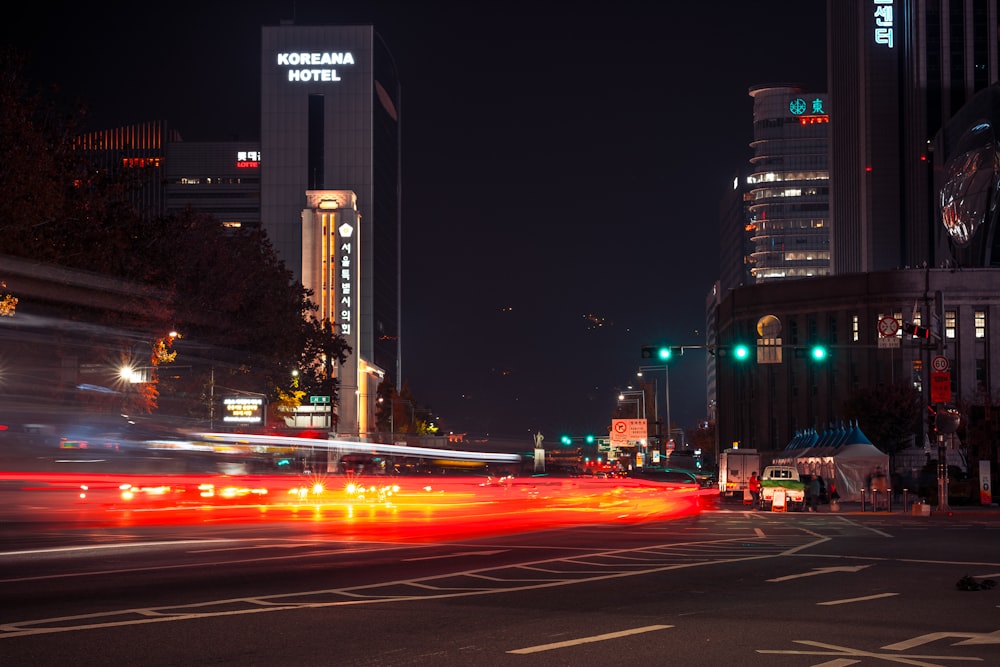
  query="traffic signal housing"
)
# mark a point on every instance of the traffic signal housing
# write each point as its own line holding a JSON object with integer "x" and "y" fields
{"x": 916, "y": 330}
{"x": 661, "y": 352}
{"x": 740, "y": 352}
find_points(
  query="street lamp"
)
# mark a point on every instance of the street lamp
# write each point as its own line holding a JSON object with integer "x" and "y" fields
{"x": 639, "y": 396}
{"x": 392, "y": 411}
{"x": 666, "y": 391}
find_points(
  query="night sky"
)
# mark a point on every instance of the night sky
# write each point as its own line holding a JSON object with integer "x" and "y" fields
{"x": 563, "y": 165}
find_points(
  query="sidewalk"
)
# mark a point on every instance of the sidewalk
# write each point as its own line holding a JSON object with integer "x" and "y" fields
{"x": 898, "y": 509}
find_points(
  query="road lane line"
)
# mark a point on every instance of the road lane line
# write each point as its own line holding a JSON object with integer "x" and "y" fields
{"x": 119, "y": 545}
{"x": 862, "y": 599}
{"x": 820, "y": 570}
{"x": 588, "y": 640}
{"x": 858, "y": 525}
{"x": 456, "y": 555}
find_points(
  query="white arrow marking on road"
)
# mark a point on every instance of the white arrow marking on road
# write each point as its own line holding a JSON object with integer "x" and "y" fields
{"x": 970, "y": 638}
{"x": 822, "y": 570}
{"x": 459, "y": 554}
{"x": 846, "y": 653}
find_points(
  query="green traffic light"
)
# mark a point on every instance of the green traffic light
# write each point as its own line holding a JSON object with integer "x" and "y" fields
{"x": 741, "y": 352}
{"x": 566, "y": 440}
{"x": 664, "y": 353}
{"x": 818, "y": 353}
{"x": 589, "y": 439}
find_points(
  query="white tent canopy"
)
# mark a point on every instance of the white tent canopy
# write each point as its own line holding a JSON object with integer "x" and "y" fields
{"x": 843, "y": 456}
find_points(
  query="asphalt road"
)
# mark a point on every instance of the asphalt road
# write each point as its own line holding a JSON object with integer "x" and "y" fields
{"x": 718, "y": 588}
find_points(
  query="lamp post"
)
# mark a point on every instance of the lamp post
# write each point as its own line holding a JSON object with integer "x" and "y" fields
{"x": 392, "y": 412}
{"x": 639, "y": 396}
{"x": 666, "y": 403}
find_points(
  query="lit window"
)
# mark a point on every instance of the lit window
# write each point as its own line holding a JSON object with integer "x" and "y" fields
{"x": 980, "y": 324}
{"x": 855, "y": 329}
{"x": 950, "y": 324}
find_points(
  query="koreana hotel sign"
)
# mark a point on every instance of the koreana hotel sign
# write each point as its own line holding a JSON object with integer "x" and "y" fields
{"x": 310, "y": 67}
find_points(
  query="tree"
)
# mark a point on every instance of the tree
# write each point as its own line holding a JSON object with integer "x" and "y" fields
{"x": 58, "y": 207}
{"x": 889, "y": 414}
{"x": 385, "y": 395}
{"x": 324, "y": 350}
{"x": 247, "y": 321}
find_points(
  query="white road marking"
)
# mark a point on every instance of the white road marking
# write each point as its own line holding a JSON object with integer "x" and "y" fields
{"x": 834, "y": 650}
{"x": 588, "y": 640}
{"x": 862, "y": 599}
{"x": 821, "y": 570}
{"x": 969, "y": 637}
{"x": 457, "y": 555}
{"x": 123, "y": 545}
{"x": 858, "y": 525}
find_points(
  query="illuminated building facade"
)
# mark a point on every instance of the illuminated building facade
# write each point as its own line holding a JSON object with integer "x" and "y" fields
{"x": 788, "y": 185}
{"x": 906, "y": 198}
{"x": 329, "y": 128}
{"x": 897, "y": 71}
{"x": 137, "y": 154}
{"x": 221, "y": 179}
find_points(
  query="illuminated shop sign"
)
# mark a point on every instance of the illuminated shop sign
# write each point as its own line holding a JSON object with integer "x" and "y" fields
{"x": 309, "y": 67}
{"x": 243, "y": 409}
{"x": 808, "y": 112}
{"x": 884, "y": 22}
{"x": 346, "y": 259}
{"x": 799, "y": 106}
{"x": 247, "y": 159}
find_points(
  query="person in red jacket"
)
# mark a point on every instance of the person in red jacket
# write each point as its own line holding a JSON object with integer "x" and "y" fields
{"x": 754, "y": 486}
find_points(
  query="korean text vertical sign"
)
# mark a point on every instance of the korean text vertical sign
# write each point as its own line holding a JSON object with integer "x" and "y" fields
{"x": 941, "y": 387}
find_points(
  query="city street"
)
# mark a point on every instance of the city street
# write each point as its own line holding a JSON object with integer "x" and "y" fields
{"x": 719, "y": 587}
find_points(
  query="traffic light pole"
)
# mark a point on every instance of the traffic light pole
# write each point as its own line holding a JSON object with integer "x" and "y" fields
{"x": 666, "y": 407}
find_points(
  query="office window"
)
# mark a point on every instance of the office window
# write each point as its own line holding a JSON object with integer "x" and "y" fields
{"x": 950, "y": 324}
{"x": 855, "y": 329}
{"x": 980, "y": 324}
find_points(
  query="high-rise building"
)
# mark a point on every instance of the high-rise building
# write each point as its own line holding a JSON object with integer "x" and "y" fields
{"x": 330, "y": 104}
{"x": 897, "y": 71}
{"x": 735, "y": 248}
{"x": 219, "y": 178}
{"x": 788, "y": 185}
{"x": 912, "y": 158}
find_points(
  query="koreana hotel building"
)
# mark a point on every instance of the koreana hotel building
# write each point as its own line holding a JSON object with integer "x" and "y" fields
{"x": 323, "y": 182}
{"x": 330, "y": 191}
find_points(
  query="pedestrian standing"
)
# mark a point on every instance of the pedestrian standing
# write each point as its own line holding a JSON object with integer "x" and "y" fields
{"x": 812, "y": 493}
{"x": 754, "y": 486}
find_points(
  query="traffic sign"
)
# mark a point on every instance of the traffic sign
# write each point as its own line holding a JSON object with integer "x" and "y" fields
{"x": 319, "y": 399}
{"x": 624, "y": 431}
{"x": 941, "y": 387}
{"x": 940, "y": 364}
{"x": 888, "y": 326}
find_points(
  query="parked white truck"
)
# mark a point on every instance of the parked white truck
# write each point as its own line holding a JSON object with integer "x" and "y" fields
{"x": 787, "y": 479}
{"x": 735, "y": 468}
